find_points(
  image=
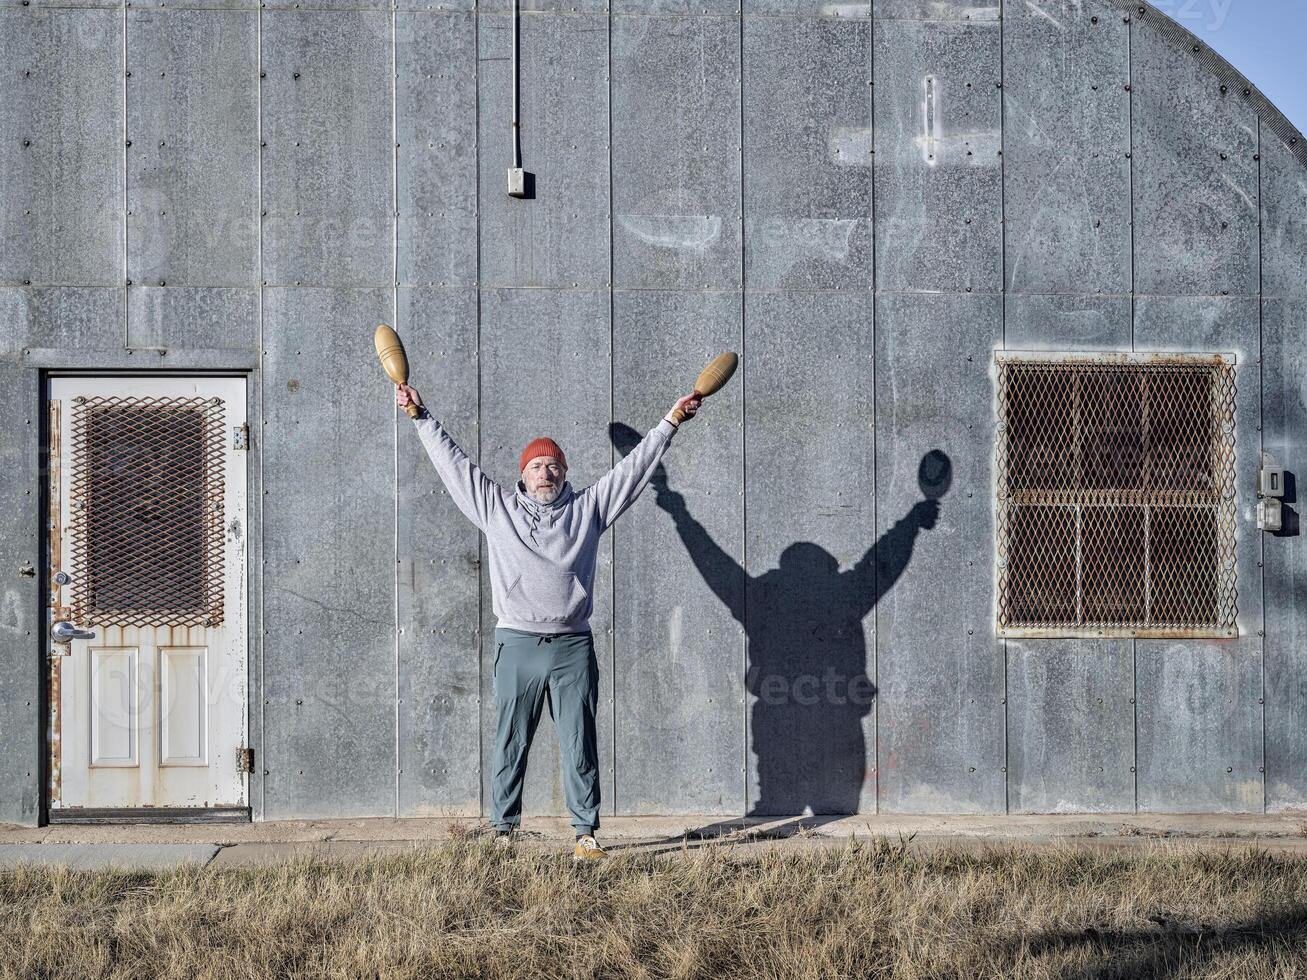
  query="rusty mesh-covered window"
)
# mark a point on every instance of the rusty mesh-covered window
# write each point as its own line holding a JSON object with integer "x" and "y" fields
{"x": 1115, "y": 495}
{"x": 146, "y": 511}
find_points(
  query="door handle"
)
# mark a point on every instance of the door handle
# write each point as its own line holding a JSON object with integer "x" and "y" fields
{"x": 63, "y": 631}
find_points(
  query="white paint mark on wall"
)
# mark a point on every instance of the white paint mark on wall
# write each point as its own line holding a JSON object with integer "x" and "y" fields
{"x": 674, "y": 632}
{"x": 929, "y": 113}
{"x": 947, "y": 10}
{"x": 846, "y": 9}
{"x": 10, "y": 612}
{"x": 681, "y": 231}
{"x": 849, "y": 146}
{"x": 1241, "y": 192}
{"x": 983, "y": 145}
{"x": 1037, "y": 9}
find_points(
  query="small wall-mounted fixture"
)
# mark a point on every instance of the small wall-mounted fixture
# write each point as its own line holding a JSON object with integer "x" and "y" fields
{"x": 1270, "y": 488}
{"x": 520, "y": 182}
{"x": 1270, "y": 478}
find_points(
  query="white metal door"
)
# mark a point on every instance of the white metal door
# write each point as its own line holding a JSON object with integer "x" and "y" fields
{"x": 148, "y": 554}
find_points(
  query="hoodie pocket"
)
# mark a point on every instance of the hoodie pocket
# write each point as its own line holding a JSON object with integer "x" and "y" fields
{"x": 549, "y": 597}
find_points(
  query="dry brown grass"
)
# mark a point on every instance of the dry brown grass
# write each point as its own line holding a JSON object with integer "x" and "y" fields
{"x": 866, "y": 910}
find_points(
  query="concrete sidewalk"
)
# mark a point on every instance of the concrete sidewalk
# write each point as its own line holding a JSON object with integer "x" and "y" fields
{"x": 157, "y": 846}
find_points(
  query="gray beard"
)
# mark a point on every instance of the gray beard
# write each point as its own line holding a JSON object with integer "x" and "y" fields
{"x": 547, "y": 496}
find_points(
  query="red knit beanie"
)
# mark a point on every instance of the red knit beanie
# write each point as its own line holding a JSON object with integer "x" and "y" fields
{"x": 543, "y": 446}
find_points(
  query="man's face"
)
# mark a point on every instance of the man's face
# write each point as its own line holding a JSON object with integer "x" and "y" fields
{"x": 543, "y": 478}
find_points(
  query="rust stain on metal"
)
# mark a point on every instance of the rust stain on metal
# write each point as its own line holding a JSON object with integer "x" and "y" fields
{"x": 54, "y": 651}
{"x": 56, "y": 720}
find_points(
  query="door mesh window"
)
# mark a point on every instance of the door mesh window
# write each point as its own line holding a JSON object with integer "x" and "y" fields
{"x": 1115, "y": 495}
{"x": 146, "y": 503}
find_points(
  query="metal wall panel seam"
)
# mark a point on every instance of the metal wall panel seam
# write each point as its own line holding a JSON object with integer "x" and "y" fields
{"x": 1130, "y": 154}
{"x": 262, "y": 685}
{"x": 875, "y": 429}
{"x": 612, "y": 449}
{"x": 127, "y": 270}
{"x": 394, "y": 318}
{"x": 744, "y": 415}
{"x": 1002, "y": 278}
{"x": 1261, "y": 431}
{"x": 476, "y": 282}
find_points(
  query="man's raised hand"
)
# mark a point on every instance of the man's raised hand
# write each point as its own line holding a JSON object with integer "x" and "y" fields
{"x": 688, "y": 405}
{"x": 404, "y": 394}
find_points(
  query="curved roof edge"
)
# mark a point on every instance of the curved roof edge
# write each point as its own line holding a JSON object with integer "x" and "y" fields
{"x": 1223, "y": 70}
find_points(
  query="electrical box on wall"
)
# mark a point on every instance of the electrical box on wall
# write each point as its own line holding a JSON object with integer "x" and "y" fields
{"x": 1270, "y": 488}
{"x": 516, "y": 182}
{"x": 1269, "y": 515}
{"x": 1270, "y": 479}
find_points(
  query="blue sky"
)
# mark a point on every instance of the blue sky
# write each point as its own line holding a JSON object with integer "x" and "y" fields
{"x": 1265, "y": 39}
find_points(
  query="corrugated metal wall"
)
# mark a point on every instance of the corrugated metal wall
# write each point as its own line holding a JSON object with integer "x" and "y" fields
{"x": 234, "y": 184}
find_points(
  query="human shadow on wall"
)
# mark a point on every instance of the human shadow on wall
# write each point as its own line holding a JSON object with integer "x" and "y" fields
{"x": 807, "y": 653}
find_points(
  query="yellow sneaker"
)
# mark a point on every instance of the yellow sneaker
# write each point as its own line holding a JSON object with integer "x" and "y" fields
{"x": 587, "y": 849}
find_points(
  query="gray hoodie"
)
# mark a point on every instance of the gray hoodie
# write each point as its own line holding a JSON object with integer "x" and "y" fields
{"x": 542, "y": 556}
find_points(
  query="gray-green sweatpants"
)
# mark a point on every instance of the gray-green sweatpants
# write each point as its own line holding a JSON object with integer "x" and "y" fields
{"x": 562, "y": 671}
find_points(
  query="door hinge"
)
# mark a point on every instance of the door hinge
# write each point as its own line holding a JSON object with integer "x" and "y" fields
{"x": 244, "y": 759}
{"x": 240, "y": 436}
